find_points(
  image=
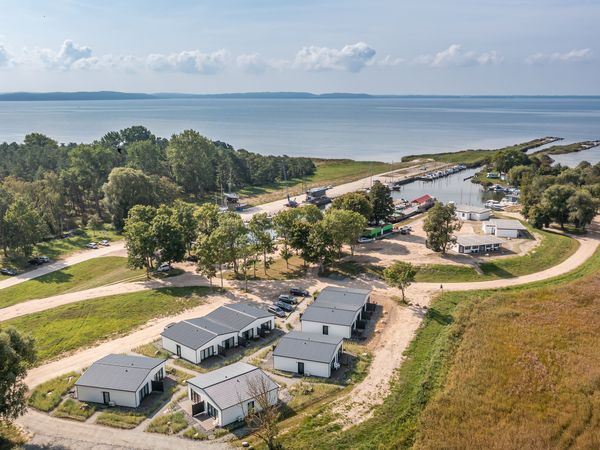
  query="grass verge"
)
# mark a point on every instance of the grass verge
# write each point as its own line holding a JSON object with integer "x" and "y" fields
{"x": 11, "y": 437}
{"x": 195, "y": 434}
{"x": 74, "y": 410}
{"x": 122, "y": 419}
{"x": 48, "y": 395}
{"x": 77, "y": 325}
{"x": 105, "y": 270}
{"x": 168, "y": 423}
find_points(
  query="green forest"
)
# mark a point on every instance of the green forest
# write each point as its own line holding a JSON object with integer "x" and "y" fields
{"x": 47, "y": 188}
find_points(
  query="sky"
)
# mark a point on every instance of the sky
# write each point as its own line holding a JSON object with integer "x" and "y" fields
{"x": 460, "y": 47}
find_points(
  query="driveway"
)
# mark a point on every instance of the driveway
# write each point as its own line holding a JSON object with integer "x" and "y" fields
{"x": 84, "y": 255}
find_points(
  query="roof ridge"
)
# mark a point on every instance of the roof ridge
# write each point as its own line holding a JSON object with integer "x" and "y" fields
{"x": 241, "y": 312}
{"x": 202, "y": 328}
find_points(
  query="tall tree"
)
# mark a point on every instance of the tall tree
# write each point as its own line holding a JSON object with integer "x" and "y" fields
{"x": 555, "y": 202}
{"x": 283, "y": 223}
{"x": 345, "y": 226}
{"x": 400, "y": 275}
{"x": 24, "y": 227}
{"x": 229, "y": 233}
{"x": 207, "y": 250}
{"x": 139, "y": 237}
{"x": 207, "y": 216}
{"x": 354, "y": 201}
{"x": 149, "y": 157}
{"x": 184, "y": 214}
{"x": 321, "y": 247}
{"x": 382, "y": 203}
{"x": 192, "y": 159}
{"x": 440, "y": 224}
{"x": 17, "y": 354}
{"x": 261, "y": 236}
{"x": 168, "y": 235}
{"x": 583, "y": 208}
{"x": 507, "y": 159}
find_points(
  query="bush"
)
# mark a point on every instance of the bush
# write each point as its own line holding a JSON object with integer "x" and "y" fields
{"x": 168, "y": 423}
{"x": 195, "y": 434}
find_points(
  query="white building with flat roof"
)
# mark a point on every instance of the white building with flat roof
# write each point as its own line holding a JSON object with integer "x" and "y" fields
{"x": 468, "y": 212}
{"x": 477, "y": 243}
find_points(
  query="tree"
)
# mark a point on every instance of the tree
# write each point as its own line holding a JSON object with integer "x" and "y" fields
{"x": 354, "y": 201}
{"x": 538, "y": 217}
{"x": 440, "y": 225}
{"x": 345, "y": 226}
{"x": 17, "y": 354}
{"x": 149, "y": 157}
{"x": 168, "y": 235}
{"x": 207, "y": 216}
{"x": 124, "y": 189}
{"x": 283, "y": 223}
{"x": 507, "y": 159}
{"x": 139, "y": 237}
{"x": 400, "y": 275}
{"x": 207, "y": 251}
{"x": 382, "y": 203}
{"x": 263, "y": 419}
{"x": 229, "y": 234}
{"x": 321, "y": 247}
{"x": 582, "y": 208}
{"x": 6, "y": 200}
{"x": 24, "y": 227}
{"x": 261, "y": 236}
{"x": 516, "y": 174}
{"x": 554, "y": 201}
{"x": 185, "y": 216}
{"x": 192, "y": 159}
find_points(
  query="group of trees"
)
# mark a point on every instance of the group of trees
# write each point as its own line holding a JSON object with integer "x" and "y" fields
{"x": 375, "y": 206}
{"x": 59, "y": 187}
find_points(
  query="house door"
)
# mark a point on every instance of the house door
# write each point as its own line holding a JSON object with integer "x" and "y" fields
{"x": 106, "y": 397}
{"x": 178, "y": 350}
{"x": 301, "y": 368}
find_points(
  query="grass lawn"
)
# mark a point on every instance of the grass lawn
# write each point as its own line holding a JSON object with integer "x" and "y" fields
{"x": 278, "y": 270}
{"x": 304, "y": 394}
{"x": 553, "y": 250}
{"x": 85, "y": 275}
{"x": 71, "y": 327}
{"x": 152, "y": 350}
{"x": 125, "y": 420}
{"x": 195, "y": 434}
{"x": 329, "y": 171}
{"x": 168, "y": 423}
{"x": 476, "y": 350}
{"x": 74, "y": 410}
{"x": 48, "y": 395}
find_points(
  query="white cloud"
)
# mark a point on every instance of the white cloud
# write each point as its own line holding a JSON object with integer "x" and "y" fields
{"x": 351, "y": 58}
{"x": 389, "y": 61}
{"x": 68, "y": 56}
{"x": 4, "y": 56}
{"x": 193, "y": 61}
{"x": 455, "y": 56}
{"x": 574, "y": 56}
{"x": 252, "y": 63}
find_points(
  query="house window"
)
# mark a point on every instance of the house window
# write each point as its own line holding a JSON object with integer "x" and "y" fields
{"x": 207, "y": 352}
{"x": 250, "y": 406}
{"x": 196, "y": 397}
{"x": 325, "y": 329}
{"x": 158, "y": 376}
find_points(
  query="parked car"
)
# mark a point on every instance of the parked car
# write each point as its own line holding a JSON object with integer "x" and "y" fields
{"x": 104, "y": 243}
{"x": 44, "y": 259}
{"x": 277, "y": 311}
{"x": 192, "y": 258}
{"x": 164, "y": 267}
{"x": 287, "y": 299}
{"x": 299, "y": 292}
{"x": 92, "y": 245}
{"x": 285, "y": 306}
{"x": 39, "y": 260}
{"x": 365, "y": 240}
{"x": 7, "y": 271}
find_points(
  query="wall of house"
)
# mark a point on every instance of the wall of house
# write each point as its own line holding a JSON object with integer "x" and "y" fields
{"x": 500, "y": 232}
{"x": 186, "y": 352}
{"x": 120, "y": 398}
{"x": 256, "y": 324}
{"x": 312, "y": 368}
{"x": 480, "y": 216}
{"x": 488, "y": 228}
{"x": 334, "y": 330}
{"x": 230, "y": 415}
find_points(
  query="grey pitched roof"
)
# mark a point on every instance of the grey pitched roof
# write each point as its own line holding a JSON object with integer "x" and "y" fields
{"x": 119, "y": 372}
{"x": 327, "y": 315}
{"x": 342, "y": 298}
{"x": 194, "y": 333}
{"x": 508, "y": 224}
{"x": 472, "y": 209}
{"x": 228, "y": 386}
{"x": 308, "y": 346}
{"x": 477, "y": 239}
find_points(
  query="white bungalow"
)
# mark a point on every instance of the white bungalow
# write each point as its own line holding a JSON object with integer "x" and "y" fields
{"x": 476, "y": 243}
{"x": 468, "y": 212}
{"x": 506, "y": 228}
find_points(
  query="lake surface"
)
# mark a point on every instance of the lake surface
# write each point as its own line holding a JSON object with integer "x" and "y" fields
{"x": 366, "y": 129}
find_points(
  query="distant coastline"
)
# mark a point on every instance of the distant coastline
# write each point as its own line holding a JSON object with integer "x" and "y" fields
{"x": 115, "y": 95}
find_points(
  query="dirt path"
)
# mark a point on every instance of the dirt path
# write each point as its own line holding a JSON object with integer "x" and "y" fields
{"x": 52, "y": 433}
{"x": 116, "y": 249}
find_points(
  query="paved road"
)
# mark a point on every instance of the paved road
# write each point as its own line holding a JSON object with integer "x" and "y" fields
{"x": 84, "y": 255}
{"x": 52, "y": 433}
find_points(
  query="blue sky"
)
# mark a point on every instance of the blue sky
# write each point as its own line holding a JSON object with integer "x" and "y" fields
{"x": 396, "y": 47}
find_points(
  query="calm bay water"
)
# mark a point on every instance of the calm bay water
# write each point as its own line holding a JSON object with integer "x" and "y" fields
{"x": 366, "y": 129}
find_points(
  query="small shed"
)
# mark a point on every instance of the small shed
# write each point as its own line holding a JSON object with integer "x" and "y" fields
{"x": 506, "y": 228}
{"x": 468, "y": 212}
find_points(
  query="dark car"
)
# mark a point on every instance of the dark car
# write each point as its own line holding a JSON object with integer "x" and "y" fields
{"x": 192, "y": 258}
{"x": 9, "y": 272}
{"x": 285, "y": 306}
{"x": 277, "y": 311}
{"x": 36, "y": 261}
{"x": 287, "y": 299}
{"x": 299, "y": 292}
